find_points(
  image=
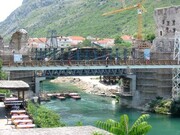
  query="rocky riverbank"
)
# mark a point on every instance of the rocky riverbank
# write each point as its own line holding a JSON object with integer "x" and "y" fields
{"x": 90, "y": 85}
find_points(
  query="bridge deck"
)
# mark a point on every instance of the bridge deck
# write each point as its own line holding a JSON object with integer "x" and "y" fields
{"x": 81, "y": 65}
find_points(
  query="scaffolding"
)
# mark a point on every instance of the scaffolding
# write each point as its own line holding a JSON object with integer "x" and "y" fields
{"x": 176, "y": 71}
{"x": 52, "y": 39}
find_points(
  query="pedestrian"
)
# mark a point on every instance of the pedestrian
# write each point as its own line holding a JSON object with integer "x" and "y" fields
{"x": 147, "y": 60}
{"x": 107, "y": 61}
{"x": 115, "y": 60}
{"x": 69, "y": 61}
{"x": 46, "y": 59}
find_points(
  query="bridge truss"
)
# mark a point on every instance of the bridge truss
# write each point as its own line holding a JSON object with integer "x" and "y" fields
{"x": 84, "y": 72}
{"x": 176, "y": 71}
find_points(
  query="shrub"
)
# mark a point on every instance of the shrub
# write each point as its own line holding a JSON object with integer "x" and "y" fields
{"x": 43, "y": 117}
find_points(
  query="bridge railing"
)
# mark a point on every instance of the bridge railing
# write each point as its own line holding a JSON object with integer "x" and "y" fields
{"x": 90, "y": 62}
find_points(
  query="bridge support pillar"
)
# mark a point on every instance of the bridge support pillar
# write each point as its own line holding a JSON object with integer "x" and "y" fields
{"x": 130, "y": 99}
{"x": 132, "y": 83}
{"x": 37, "y": 84}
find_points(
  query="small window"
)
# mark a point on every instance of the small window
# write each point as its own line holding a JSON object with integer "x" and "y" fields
{"x": 160, "y": 33}
{"x": 167, "y": 29}
{"x": 174, "y": 30}
{"x": 167, "y": 23}
{"x": 163, "y": 21}
{"x": 173, "y": 22}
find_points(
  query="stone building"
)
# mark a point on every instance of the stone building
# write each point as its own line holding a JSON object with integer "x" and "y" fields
{"x": 152, "y": 83}
{"x": 19, "y": 41}
{"x": 167, "y": 23}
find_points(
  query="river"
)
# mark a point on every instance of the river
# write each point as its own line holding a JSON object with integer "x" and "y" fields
{"x": 92, "y": 108}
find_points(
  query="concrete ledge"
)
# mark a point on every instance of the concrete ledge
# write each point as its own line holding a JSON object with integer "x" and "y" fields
{"x": 77, "y": 130}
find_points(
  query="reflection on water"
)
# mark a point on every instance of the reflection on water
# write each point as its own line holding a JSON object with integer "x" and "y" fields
{"x": 92, "y": 108}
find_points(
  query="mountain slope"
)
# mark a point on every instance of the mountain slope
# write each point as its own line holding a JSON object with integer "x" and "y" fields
{"x": 79, "y": 17}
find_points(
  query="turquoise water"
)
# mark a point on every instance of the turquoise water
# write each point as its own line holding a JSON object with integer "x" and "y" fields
{"x": 92, "y": 108}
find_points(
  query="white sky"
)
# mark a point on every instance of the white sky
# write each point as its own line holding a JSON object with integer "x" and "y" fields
{"x": 7, "y": 7}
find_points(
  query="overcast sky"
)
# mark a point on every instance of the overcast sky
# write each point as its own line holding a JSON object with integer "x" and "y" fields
{"x": 8, "y": 6}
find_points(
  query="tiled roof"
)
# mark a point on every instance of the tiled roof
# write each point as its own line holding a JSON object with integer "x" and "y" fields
{"x": 37, "y": 40}
{"x": 126, "y": 37}
{"x": 105, "y": 41}
{"x": 76, "y": 38}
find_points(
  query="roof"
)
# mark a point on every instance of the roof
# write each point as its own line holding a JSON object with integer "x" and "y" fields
{"x": 76, "y": 38}
{"x": 126, "y": 37}
{"x": 37, "y": 40}
{"x": 107, "y": 42}
{"x": 12, "y": 84}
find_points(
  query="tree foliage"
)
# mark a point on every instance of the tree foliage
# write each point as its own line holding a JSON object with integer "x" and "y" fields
{"x": 3, "y": 75}
{"x": 120, "y": 45}
{"x": 150, "y": 37}
{"x": 85, "y": 43}
{"x": 140, "y": 126}
{"x": 118, "y": 40}
{"x": 43, "y": 117}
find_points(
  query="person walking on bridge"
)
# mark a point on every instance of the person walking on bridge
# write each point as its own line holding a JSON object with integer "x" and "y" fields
{"x": 107, "y": 61}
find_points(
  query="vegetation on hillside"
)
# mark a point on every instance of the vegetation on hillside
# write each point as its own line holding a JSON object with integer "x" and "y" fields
{"x": 81, "y": 17}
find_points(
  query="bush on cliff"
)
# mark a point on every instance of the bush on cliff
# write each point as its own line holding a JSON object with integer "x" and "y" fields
{"x": 159, "y": 105}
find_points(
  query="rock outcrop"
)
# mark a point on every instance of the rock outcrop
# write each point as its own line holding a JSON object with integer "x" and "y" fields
{"x": 89, "y": 85}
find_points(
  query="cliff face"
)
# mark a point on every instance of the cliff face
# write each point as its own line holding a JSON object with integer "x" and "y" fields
{"x": 79, "y": 17}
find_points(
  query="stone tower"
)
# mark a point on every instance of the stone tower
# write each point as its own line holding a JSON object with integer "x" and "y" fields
{"x": 167, "y": 23}
{"x": 19, "y": 41}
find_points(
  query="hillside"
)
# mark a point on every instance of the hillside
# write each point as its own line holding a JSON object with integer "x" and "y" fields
{"x": 79, "y": 17}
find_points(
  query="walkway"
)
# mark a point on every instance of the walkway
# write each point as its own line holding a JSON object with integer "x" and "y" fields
{"x": 3, "y": 120}
{"x": 78, "y": 65}
{"x": 82, "y": 130}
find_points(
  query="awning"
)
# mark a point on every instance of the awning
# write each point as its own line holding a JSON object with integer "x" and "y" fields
{"x": 14, "y": 85}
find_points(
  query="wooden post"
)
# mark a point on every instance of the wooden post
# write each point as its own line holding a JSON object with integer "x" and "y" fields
{"x": 18, "y": 94}
{"x": 23, "y": 95}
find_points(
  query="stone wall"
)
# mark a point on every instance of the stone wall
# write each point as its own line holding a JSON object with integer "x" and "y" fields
{"x": 167, "y": 21}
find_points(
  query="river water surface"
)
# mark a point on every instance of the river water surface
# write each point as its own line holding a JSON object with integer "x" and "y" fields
{"x": 92, "y": 108}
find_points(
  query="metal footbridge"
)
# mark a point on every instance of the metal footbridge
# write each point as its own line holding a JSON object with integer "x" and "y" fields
{"x": 85, "y": 67}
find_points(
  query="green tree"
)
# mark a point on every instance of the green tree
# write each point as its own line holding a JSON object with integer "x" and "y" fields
{"x": 3, "y": 75}
{"x": 150, "y": 37}
{"x": 140, "y": 127}
{"x": 120, "y": 47}
{"x": 118, "y": 40}
{"x": 85, "y": 43}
